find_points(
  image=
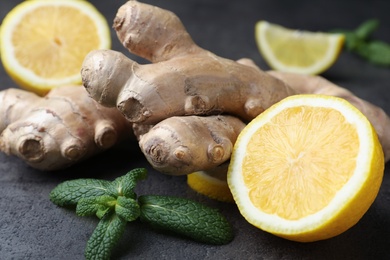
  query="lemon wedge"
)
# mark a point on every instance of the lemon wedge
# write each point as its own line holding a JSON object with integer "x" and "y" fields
{"x": 211, "y": 183}
{"x": 296, "y": 51}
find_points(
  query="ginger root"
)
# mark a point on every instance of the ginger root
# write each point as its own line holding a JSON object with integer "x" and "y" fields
{"x": 185, "y": 84}
{"x": 183, "y": 79}
{"x": 181, "y": 145}
{"x": 58, "y": 130}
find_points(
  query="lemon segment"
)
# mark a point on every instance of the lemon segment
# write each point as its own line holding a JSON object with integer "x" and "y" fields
{"x": 43, "y": 43}
{"x": 307, "y": 168}
{"x": 296, "y": 51}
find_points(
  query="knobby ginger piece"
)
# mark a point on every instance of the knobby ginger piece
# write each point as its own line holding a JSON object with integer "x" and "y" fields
{"x": 58, "y": 130}
{"x": 183, "y": 79}
{"x": 181, "y": 145}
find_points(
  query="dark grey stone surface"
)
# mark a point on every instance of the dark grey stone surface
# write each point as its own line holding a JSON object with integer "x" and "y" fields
{"x": 31, "y": 227}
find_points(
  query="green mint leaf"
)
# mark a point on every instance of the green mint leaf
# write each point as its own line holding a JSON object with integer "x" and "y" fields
{"x": 376, "y": 52}
{"x": 359, "y": 42}
{"x": 70, "y": 192}
{"x": 186, "y": 217}
{"x": 105, "y": 236}
{"x": 357, "y": 37}
{"x": 351, "y": 41}
{"x": 124, "y": 185}
{"x": 365, "y": 30}
{"x": 127, "y": 208}
{"x": 87, "y": 207}
{"x": 90, "y": 206}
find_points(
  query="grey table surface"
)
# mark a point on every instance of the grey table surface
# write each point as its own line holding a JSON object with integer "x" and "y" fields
{"x": 31, "y": 227}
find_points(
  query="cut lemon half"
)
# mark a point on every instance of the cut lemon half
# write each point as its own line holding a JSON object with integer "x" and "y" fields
{"x": 43, "y": 43}
{"x": 212, "y": 183}
{"x": 296, "y": 51}
{"x": 306, "y": 169}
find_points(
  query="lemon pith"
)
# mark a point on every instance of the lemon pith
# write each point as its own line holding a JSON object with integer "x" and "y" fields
{"x": 304, "y": 188}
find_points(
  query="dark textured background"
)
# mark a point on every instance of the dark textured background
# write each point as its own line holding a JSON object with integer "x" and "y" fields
{"x": 31, "y": 227}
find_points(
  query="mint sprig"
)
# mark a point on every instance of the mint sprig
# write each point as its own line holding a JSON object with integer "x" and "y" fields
{"x": 361, "y": 42}
{"x": 115, "y": 203}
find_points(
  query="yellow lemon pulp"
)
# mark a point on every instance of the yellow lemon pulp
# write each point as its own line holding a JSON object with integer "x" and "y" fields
{"x": 212, "y": 184}
{"x": 306, "y": 169}
{"x": 296, "y": 51}
{"x": 44, "y": 42}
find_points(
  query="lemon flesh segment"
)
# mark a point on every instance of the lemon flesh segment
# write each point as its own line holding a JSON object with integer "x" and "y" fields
{"x": 44, "y": 42}
{"x": 306, "y": 169}
{"x": 296, "y": 51}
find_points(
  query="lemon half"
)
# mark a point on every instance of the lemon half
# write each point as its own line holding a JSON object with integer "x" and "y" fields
{"x": 306, "y": 169}
{"x": 43, "y": 43}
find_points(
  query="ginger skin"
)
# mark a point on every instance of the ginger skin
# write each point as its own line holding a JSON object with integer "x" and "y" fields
{"x": 58, "y": 130}
{"x": 183, "y": 79}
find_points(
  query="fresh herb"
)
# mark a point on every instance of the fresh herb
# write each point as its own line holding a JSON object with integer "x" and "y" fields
{"x": 115, "y": 203}
{"x": 185, "y": 217}
{"x": 360, "y": 41}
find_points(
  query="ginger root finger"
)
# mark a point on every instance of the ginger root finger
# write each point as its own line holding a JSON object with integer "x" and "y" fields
{"x": 181, "y": 145}
{"x": 152, "y": 33}
{"x": 60, "y": 129}
{"x": 306, "y": 84}
{"x": 184, "y": 78}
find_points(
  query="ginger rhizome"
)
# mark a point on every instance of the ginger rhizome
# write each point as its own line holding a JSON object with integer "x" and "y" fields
{"x": 185, "y": 84}
{"x": 183, "y": 79}
{"x": 181, "y": 145}
{"x": 58, "y": 130}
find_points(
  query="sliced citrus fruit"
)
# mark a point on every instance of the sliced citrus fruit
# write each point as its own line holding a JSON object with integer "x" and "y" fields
{"x": 296, "y": 51}
{"x": 43, "y": 43}
{"x": 212, "y": 183}
{"x": 306, "y": 169}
